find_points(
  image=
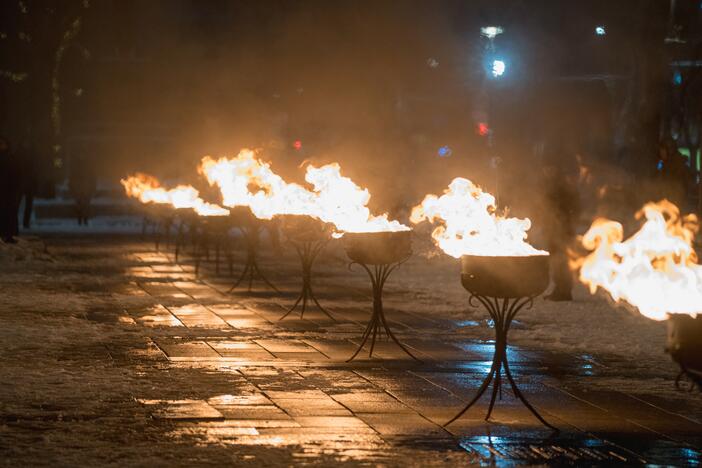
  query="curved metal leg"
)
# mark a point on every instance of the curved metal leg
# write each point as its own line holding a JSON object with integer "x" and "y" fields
{"x": 247, "y": 267}
{"x": 484, "y": 386}
{"x": 308, "y": 252}
{"x": 299, "y": 299}
{"x": 518, "y": 394}
{"x": 262, "y": 277}
{"x": 162, "y": 225}
{"x": 378, "y": 277}
{"x": 502, "y": 315}
{"x": 157, "y": 233}
{"x": 372, "y": 325}
{"x": 251, "y": 268}
{"x": 495, "y": 389}
{"x": 179, "y": 240}
{"x": 388, "y": 332}
{"x": 198, "y": 258}
{"x": 217, "y": 256}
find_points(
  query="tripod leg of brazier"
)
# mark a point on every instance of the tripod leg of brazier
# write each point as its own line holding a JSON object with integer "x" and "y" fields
{"x": 241, "y": 278}
{"x": 378, "y": 275}
{"x": 521, "y": 397}
{"x": 502, "y": 316}
{"x": 484, "y": 386}
{"x": 369, "y": 328}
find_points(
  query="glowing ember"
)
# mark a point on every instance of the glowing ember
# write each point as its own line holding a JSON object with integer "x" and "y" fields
{"x": 248, "y": 181}
{"x": 655, "y": 269}
{"x": 469, "y": 225}
{"x": 148, "y": 190}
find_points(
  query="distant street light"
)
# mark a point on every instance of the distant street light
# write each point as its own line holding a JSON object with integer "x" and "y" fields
{"x": 677, "y": 78}
{"x": 600, "y": 31}
{"x": 498, "y": 68}
{"x": 483, "y": 129}
{"x": 444, "y": 152}
{"x": 491, "y": 31}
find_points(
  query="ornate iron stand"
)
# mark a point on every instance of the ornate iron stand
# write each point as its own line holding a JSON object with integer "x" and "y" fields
{"x": 502, "y": 312}
{"x": 162, "y": 230}
{"x": 216, "y": 236}
{"x": 251, "y": 233}
{"x": 307, "y": 250}
{"x": 189, "y": 224}
{"x": 378, "y": 275}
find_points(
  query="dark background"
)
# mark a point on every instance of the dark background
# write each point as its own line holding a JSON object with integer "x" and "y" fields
{"x": 379, "y": 86}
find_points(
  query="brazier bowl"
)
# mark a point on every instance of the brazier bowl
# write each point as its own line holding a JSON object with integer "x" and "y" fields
{"x": 505, "y": 277}
{"x": 378, "y": 248}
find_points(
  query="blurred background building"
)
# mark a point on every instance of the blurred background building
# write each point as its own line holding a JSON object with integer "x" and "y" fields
{"x": 424, "y": 91}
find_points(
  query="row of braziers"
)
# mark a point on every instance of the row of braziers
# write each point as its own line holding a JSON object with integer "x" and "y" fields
{"x": 503, "y": 285}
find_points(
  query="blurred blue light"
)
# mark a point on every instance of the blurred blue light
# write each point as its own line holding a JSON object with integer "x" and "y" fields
{"x": 600, "y": 31}
{"x": 498, "y": 67}
{"x": 677, "y": 78}
{"x": 444, "y": 152}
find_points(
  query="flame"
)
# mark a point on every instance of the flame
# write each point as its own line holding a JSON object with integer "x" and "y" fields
{"x": 247, "y": 181}
{"x": 341, "y": 202}
{"x": 148, "y": 190}
{"x": 469, "y": 224}
{"x": 655, "y": 270}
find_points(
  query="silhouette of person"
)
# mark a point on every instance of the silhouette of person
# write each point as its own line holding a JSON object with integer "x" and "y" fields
{"x": 30, "y": 179}
{"x": 562, "y": 211}
{"x": 673, "y": 173}
{"x": 10, "y": 192}
{"x": 82, "y": 183}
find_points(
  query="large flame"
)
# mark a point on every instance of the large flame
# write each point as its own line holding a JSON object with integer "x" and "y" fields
{"x": 148, "y": 190}
{"x": 469, "y": 225}
{"x": 247, "y": 181}
{"x": 340, "y": 201}
{"x": 655, "y": 269}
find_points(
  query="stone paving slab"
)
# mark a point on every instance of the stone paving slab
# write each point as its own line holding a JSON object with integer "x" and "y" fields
{"x": 197, "y": 316}
{"x": 193, "y": 350}
{"x": 184, "y": 410}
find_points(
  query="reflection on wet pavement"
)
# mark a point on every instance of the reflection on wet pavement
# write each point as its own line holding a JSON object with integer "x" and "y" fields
{"x": 231, "y": 375}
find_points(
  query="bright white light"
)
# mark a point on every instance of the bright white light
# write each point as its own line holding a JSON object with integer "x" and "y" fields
{"x": 498, "y": 68}
{"x": 491, "y": 31}
{"x": 600, "y": 31}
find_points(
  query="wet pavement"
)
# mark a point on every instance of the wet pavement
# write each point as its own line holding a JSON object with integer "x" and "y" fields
{"x": 119, "y": 355}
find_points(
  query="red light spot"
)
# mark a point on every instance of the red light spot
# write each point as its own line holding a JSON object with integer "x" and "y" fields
{"x": 483, "y": 129}
{"x": 297, "y": 145}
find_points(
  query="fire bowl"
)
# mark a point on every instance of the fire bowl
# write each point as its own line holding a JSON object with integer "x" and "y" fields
{"x": 685, "y": 344}
{"x": 241, "y": 216}
{"x": 378, "y": 248}
{"x": 187, "y": 214}
{"x": 303, "y": 228}
{"x": 505, "y": 277}
{"x": 216, "y": 223}
{"x": 158, "y": 210}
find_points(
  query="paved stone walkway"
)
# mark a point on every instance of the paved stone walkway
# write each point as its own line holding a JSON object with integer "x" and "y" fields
{"x": 216, "y": 377}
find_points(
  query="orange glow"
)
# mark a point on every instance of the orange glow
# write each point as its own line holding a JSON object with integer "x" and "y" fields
{"x": 655, "y": 270}
{"x": 248, "y": 181}
{"x": 148, "y": 190}
{"x": 469, "y": 225}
